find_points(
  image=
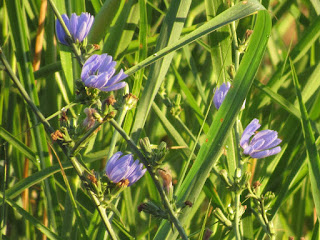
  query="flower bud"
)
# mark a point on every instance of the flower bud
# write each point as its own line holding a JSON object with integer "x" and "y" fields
{"x": 152, "y": 209}
{"x": 166, "y": 180}
{"x": 222, "y": 218}
{"x": 130, "y": 101}
{"x": 224, "y": 176}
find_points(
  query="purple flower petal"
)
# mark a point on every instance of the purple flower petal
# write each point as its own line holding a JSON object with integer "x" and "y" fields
{"x": 112, "y": 161}
{"x": 61, "y": 35}
{"x": 116, "y": 86}
{"x": 120, "y": 168}
{"x": 220, "y": 94}
{"x": 266, "y": 153}
{"x": 263, "y": 144}
{"x": 78, "y": 26}
{"x": 73, "y": 25}
{"x": 248, "y": 132}
{"x": 102, "y": 67}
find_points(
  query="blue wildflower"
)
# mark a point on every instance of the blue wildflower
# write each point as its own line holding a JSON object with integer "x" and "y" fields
{"x": 221, "y": 93}
{"x": 263, "y": 144}
{"x": 98, "y": 71}
{"x": 123, "y": 169}
{"x": 78, "y": 26}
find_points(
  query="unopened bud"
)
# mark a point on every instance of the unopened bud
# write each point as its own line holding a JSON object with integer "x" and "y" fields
{"x": 153, "y": 209}
{"x": 225, "y": 178}
{"x": 222, "y": 218}
{"x": 56, "y": 135}
{"x": 110, "y": 116}
{"x": 167, "y": 179}
{"x": 268, "y": 197}
{"x": 110, "y": 100}
{"x": 244, "y": 180}
{"x": 176, "y": 109}
{"x": 90, "y": 120}
{"x": 130, "y": 100}
{"x": 146, "y": 147}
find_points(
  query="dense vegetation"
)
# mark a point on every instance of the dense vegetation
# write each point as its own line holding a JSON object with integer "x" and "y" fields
{"x": 195, "y": 75}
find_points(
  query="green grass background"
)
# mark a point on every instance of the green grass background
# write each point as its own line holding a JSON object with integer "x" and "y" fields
{"x": 169, "y": 49}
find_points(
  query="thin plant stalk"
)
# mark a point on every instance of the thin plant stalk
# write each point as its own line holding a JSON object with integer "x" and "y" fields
{"x": 237, "y": 203}
{"x": 120, "y": 117}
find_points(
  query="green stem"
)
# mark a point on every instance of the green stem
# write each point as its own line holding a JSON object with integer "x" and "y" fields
{"x": 236, "y": 222}
{"x": 261, "y": 220}
{"x": 115, "y": 135}
{"x": 235, "y": 45}
{"x": 85, "y": 137}
{"x": 3, "y": 216}
{"x": 163, "y": 196}
{"x": 50, "y": 130}
{"x": 73, "y": 45}
{"x": 120, "y": 117}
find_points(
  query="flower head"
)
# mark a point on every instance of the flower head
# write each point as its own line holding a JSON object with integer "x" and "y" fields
{"x": 98, "y": 71}
{"x": 263, "y": 144}
{"x": 78, "y": 26}
{"x": 123, "y": 169}
{"x": 221, "y": 93}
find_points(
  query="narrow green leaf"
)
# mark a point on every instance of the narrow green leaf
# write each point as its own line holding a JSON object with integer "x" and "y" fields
{"x": 316, "y": 231}
{"x": 220, "y": 43}
{"x": 279, "y": 99}
{"x": 312, "y": 152}
{"x": 66, "y": 63}
{"x": 35, "y": 222}
{"x": 103, "y": 19}
{"x": 234, "y": 13}
{"x": 18, "y": 144}
{"x": 120, "y": 35}
{"x": 203, "y": 227}
{"x": 190, "y": 99}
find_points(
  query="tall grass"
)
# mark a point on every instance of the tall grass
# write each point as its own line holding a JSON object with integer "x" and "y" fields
{"x": 176, "y": 54}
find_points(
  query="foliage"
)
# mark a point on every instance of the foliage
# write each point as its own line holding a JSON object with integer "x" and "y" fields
{"x": 57, "y": 131}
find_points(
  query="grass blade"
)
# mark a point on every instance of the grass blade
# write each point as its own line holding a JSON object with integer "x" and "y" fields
{"x": 312, "y": 152}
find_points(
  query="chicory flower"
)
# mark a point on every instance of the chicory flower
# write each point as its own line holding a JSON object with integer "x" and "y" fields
{"x": 263, "y": 144}
{"x": 221, "y": 93}
{"x": 78, "y": 26}
{"x": 123, "y": 169}
{"x": 98, "y": 71}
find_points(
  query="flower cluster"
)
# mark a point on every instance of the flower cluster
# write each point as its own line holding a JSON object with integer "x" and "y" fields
{"x": 98, "y": 71}
{"x": 78, "y": 26}
{"x": 263, "y": 144}
{"x": 124, "y": 170}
